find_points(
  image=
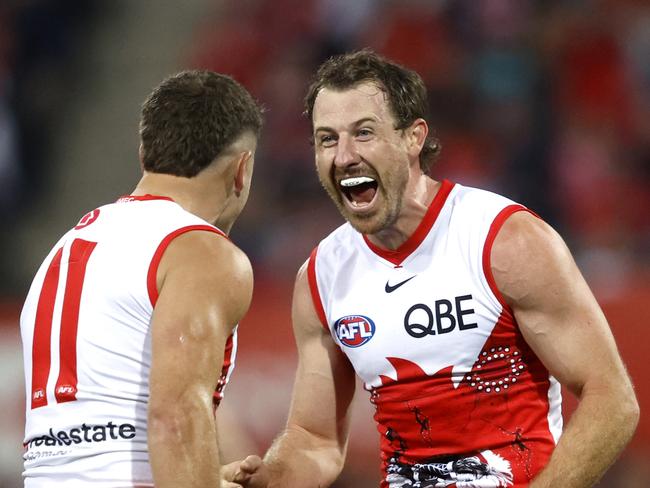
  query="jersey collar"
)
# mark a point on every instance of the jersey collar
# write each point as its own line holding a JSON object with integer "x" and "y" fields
{"x": 141, "y": 198}
{"x": 397, "y": 256}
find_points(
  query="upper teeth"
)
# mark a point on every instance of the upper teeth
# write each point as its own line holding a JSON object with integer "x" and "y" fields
{"x": 358, "y": 180}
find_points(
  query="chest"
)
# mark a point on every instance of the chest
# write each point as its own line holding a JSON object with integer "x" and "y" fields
{"x": 435, "y": 310}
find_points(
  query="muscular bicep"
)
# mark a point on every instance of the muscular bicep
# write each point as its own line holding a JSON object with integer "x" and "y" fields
{"x": 553, "y": 305}
{"x": 205, "y": 288}
{"x": 325, "y": 380}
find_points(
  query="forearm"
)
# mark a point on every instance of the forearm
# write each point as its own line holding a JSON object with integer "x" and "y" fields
{"x": 183, "y": 449}
{"x": 597, "y": 432}
{"x": 302, "y": 460}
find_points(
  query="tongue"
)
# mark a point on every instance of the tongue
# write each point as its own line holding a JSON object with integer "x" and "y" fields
{"x": 363, "y": 193}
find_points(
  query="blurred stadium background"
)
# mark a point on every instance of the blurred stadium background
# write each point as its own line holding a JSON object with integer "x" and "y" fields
{"x": 545, "y": 101}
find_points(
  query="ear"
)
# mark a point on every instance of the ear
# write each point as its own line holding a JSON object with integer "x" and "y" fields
{"x": 416, "y": 137}
{"x": 141, "y": 156}
{"x": 240, "y": 171}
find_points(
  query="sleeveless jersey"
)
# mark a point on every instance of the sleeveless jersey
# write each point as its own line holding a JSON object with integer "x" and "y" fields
{"x": 461, "y": 400}
{"x": 86, "y": 336}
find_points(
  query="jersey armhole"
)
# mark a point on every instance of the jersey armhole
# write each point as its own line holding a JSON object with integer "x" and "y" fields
{"x": 495, "y": 227}
{"x": 152, "y": 287}
{"x": 229, "y": 357}
{"x": 313, "y": 288}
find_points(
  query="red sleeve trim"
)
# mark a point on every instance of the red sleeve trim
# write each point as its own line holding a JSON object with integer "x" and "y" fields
{"x": 497, "y": 223}
{"x": 228, "y": 363}
{"x": 152, "y": 286}
{"x": 313, "y": 288}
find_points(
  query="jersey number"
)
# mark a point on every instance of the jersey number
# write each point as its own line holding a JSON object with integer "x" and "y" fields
{"x": 66, "y": 383}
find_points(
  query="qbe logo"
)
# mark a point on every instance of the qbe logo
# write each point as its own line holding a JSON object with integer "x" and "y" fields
{"x": 354, "y": 330}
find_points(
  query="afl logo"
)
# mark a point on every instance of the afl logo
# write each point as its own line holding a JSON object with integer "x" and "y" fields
{"x": 354, "y": 330}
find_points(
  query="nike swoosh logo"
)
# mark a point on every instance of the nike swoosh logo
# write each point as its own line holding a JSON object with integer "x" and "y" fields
{"x": 391, "y": 289}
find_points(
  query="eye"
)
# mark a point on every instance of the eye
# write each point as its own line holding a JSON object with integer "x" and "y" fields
{"x": 326, "y": 140}
{"x": 364, "y": 134}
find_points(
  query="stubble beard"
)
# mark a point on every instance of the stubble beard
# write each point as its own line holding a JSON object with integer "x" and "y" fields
{"x": 378, "y": 220}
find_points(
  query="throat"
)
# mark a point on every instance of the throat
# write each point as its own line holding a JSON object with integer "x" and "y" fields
{"x": 388, "y": 239}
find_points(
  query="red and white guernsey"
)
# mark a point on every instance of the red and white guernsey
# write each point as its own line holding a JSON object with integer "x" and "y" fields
{"x": 461, "y": 399}
{"x": 86, "y": 340}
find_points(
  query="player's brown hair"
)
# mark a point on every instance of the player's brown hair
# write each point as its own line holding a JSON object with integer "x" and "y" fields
{"x": 405, "y": 90}
{"x": 190, "y": 118}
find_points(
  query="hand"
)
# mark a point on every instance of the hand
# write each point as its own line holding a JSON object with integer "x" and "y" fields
{"x": 249, "y": 473}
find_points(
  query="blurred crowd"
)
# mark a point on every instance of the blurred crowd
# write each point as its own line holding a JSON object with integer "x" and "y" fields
{"x": 545, "y": 101}
{"x": 39, "y": 45}
{"x": 39, "y": 40}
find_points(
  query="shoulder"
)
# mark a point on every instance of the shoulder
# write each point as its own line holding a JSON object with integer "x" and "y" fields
{"x": 307, "y": 310}
{"x": 526, "y": 238}
{"x": 340, "y": 242}
{"x": 210, "y": 271}
{"x": 475, "y": 201}
{"x": 529, "y": 258}
{"x": 343, "y": 233}
{"x": 208, "y": 261}
{"x": 474, "y": 216}
{"x": 303, "y": 290}
{"x": 210, "y": 252}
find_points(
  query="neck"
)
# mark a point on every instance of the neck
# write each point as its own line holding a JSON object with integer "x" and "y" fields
{"x": 201, "y": 195}
{"x": 415, "y": 204}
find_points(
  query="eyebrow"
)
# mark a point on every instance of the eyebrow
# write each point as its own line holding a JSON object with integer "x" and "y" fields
{"x": 354, "y": 124}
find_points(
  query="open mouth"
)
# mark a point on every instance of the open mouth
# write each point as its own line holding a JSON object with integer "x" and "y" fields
{"x": 360, "y": 191}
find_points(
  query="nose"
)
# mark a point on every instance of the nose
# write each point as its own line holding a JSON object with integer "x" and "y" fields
{"x": 346, "y": 152}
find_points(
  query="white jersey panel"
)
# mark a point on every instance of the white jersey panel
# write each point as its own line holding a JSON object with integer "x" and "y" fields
{"x": 449, "y": 373}
{"x": 444, "y": 275}
{"x": 91, "y": 303}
